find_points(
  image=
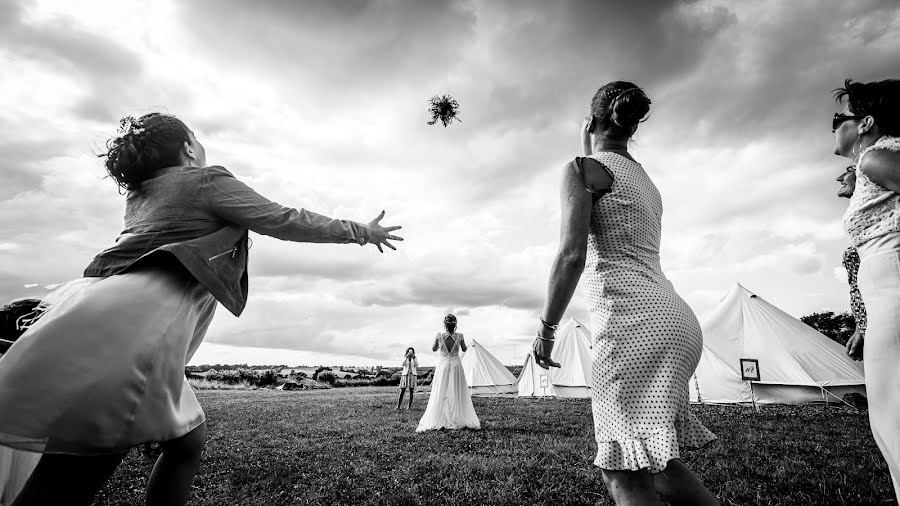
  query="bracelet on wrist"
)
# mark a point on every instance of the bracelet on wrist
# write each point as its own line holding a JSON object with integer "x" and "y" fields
{"x": 549, "y": 325}
{"x": 542, "y": 338}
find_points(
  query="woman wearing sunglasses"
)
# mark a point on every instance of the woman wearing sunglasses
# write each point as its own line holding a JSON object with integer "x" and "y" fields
{"x": 867, "y": 130}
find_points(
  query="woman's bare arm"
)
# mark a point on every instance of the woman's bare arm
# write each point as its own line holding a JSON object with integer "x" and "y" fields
{"x": 570, "y": 258}
{"x": 882, "y": 167}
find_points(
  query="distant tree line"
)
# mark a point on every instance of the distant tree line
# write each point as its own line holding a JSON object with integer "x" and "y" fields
{"x": 837, "y": 326}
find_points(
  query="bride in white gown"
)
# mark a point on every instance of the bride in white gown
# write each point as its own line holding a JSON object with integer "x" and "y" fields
{"x": 450, "y": 402}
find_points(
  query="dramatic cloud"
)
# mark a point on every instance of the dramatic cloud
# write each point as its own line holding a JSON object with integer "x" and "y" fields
{"x": 322, "y": 105}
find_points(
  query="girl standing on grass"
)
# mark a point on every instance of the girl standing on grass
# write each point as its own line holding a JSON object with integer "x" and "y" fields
{"x": 408, "y": 376}
{"x": 867, "y": 131}
{"x": 118, "y": 339}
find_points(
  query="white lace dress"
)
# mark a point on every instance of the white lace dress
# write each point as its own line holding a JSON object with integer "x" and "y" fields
{"x": 450, "y": 402}
{"x": 872, "y": 222}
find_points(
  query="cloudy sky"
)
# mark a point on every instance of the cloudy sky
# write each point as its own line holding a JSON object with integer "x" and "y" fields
{"x": 322, "y": 105}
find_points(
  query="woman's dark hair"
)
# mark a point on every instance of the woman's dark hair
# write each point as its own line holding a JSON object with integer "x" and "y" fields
{"x": 407, "y": 351}
{"x": 450, "y": 323}
{"x": 618, "y": 107}
{"x": 147, "y": 144}
{"x": 879, "y": 99}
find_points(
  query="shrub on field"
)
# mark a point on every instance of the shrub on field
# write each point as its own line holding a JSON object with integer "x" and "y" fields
{"x": 267, "y": 379}
{"x": 384, "y": 381}
{"x": 319, "y": 371}
{"x": 856, "y": 400}
{"x": 327, "y": 377}
{"x": 207, "y": 384}
{"x": 239, "y": 376}
{"x": 352, "y": 382}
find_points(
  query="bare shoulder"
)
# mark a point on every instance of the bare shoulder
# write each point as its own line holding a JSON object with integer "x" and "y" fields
{"x": 587, "y": 173}
{"x": 882, "y": 166}
{"x": 880, "y": 160}
{"x": 597, "y": 176}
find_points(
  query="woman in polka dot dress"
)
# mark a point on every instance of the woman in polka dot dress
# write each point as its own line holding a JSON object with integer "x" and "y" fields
{"x": 647, "y": 341}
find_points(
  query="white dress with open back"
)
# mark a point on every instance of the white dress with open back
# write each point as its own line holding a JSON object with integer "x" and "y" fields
{"x": 450, "y": 402}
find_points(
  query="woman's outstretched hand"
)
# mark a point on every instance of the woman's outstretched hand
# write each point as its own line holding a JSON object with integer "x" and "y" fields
{"x": 379, "y": 235}
{"x": 543, "y": 348}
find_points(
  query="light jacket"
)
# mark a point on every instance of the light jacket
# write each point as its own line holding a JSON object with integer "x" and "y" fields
{"x": 200, "y": 217}
{"x": 410, "y": 367}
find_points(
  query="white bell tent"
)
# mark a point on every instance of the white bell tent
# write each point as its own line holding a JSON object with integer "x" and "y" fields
{"x": 484, "y": 373}
{"x": 534, "y": 381}
{"x": 573, "y": 378}
{"x": 748, "y": 337}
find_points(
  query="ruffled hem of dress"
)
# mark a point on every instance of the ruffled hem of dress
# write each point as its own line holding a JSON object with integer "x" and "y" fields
{"x": 637, "y": 454}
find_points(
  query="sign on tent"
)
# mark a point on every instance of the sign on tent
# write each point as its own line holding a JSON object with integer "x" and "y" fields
{"x": 750, "y": 369}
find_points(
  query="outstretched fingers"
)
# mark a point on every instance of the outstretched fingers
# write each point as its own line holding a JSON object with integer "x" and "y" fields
{"x": 379, "y": 236}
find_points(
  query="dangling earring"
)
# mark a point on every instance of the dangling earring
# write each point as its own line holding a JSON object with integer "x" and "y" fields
{"x": 855, "y": 149}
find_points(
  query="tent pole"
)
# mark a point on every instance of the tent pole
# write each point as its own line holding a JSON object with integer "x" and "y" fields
{"x": 753, "y": 398}
{"x": 697, "y": 386}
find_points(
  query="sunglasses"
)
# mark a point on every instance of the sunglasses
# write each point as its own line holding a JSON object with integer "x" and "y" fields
{"x": 839, "y": 119}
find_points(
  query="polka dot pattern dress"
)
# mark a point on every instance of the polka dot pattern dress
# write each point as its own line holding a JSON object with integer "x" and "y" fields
{"x": 646, "y": 339}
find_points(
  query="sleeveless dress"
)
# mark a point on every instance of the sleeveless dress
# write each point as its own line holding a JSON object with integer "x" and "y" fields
{"x": 450, "y": 402}
{"x": 646, "y": 340}
{"x": 872, "y": 222}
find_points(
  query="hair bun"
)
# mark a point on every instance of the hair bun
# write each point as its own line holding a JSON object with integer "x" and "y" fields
{"x": 629, "y": 108}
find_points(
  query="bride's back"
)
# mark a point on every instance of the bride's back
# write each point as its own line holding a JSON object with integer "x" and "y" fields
{"x": 449, "y": 343}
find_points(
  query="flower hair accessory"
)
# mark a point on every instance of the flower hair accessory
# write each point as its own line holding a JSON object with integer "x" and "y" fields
{"x": 130, "y": 125}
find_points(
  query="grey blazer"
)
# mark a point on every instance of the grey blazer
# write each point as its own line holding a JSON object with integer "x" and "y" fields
{"x": 200, "y": 218}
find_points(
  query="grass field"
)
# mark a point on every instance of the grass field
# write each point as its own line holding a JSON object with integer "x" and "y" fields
{"x": 349, "y": 446}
